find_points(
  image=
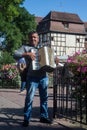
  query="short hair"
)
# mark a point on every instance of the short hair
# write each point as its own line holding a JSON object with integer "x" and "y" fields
{"x": 32, "y": 32}
{"x": 30, "y": 35}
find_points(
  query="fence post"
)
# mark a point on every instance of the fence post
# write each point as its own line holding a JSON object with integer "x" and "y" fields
{"x": 55, "y": 93}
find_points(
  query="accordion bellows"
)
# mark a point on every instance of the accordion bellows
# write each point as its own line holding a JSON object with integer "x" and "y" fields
{"x": 44, "y": 59}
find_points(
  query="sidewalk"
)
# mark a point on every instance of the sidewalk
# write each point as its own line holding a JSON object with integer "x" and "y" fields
{"x": 11, "y": 112}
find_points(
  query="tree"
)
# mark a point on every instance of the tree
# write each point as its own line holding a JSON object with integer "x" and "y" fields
{"x": 9, "y": 9}
{"x": 25, "y": 22}
{"x": 4, "y": 59}
{"x": 15, "y": 23}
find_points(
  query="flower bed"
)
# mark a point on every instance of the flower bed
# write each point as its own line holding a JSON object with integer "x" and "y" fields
{"x": 10, "y": 76}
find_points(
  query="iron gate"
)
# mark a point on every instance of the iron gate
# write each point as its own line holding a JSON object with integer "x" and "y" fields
{"x": 68, "y": 98}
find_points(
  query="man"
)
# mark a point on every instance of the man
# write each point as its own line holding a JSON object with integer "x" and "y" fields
{"x": 35, "y": 79}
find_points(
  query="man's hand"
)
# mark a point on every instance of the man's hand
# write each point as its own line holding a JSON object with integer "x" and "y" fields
{"x": 30, "y": 54}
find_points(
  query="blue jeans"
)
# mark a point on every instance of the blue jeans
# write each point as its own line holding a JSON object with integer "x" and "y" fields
{"x": 32, "y": 85}
{"x": 23, "y": 85}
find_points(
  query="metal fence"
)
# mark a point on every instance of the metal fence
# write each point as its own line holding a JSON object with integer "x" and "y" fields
{"x": 70, "y": 96}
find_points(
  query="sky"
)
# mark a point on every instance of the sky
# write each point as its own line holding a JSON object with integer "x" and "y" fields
{"x": 42, "y": 7}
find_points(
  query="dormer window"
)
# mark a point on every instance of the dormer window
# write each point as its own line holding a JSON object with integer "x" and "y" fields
{"x": 85, "y": 39}
{"x": 66, "y": 25}
{"x": 86, "y": 29}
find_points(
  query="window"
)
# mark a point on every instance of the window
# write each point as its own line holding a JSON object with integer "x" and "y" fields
{"x": 86, "y": 29}
{"x": 85, "y": 39}
{"x": 52, "y": 38}
{"x": 44, "y": 37}
{"x": 66, "y": 25}
{"x": 77, "y": 40}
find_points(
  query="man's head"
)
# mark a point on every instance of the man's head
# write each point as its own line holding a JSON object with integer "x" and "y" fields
{"x": 33, "y": 38}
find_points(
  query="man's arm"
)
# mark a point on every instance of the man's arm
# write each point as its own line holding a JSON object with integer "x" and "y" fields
{"x": 24, "y": 52}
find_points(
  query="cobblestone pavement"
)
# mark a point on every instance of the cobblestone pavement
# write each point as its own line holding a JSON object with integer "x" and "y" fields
{"x": 11, "y": 112}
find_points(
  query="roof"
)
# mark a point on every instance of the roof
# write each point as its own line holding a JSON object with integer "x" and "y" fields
{"x": 62, "y": 16}
{"x": 38, "y": 19}
{"x": 85, "y": 24}
{"x": 54, "y": 21}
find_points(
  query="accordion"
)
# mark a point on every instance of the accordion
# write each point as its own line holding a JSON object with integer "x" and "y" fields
{"x": 44, "y": 59}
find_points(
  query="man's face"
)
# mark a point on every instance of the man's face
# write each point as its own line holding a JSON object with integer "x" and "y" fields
{"x": 34, "y": 39}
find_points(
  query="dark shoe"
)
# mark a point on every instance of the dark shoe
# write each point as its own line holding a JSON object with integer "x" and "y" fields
{"x": 25, "y": 123}
{"x": 45, "y": 120}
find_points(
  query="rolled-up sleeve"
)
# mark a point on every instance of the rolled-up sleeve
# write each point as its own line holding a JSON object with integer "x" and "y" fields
{"x": 18, "y": 53}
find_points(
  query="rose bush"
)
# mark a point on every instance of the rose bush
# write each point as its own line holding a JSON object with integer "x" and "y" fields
{"x": 77, "y": 64}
